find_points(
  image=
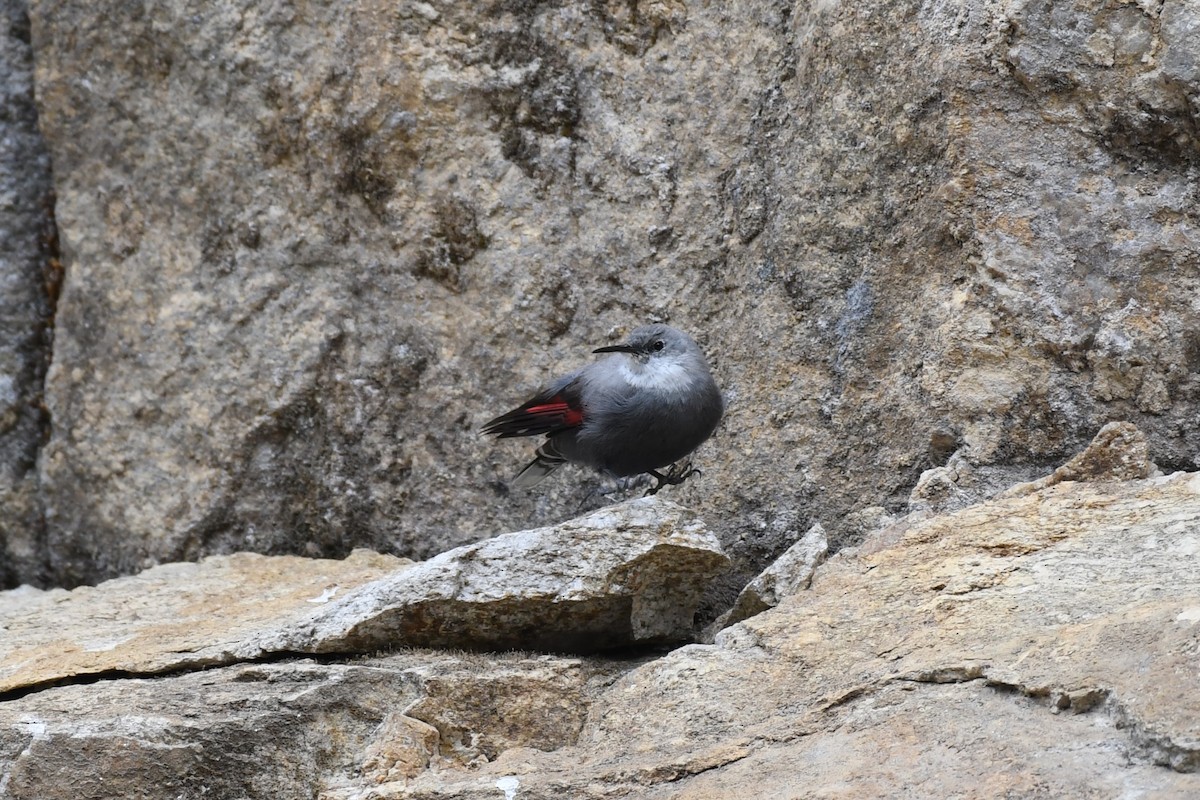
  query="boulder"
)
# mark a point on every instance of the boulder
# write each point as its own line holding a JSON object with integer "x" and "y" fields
{"x": 630, "y": 575}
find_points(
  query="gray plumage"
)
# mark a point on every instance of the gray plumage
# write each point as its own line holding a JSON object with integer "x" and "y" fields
{"x": 646, "y": 405}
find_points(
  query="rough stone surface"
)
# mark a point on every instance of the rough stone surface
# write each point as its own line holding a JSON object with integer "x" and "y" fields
{"x": 310, "y": 249}
{"x": 1119, "y": 452}
{"x": 790, "y": 573}
{"x": 632, "y": 574}
{"x": 1041, "y": 645}
{"x": 284, "y": 730}
{"x": 27, "y": 276}
{"x": 629, "y": 575}
{"x": 174, "y": 616}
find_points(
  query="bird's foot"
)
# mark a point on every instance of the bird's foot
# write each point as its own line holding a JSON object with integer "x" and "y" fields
{"x": 677, "y": 474}
{"x": 609, "y": 488}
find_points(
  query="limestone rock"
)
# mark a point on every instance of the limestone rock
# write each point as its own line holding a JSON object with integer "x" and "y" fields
{"x": 275, "y": 730}
{"x": 1118, "y": 452}
{"x": 629, "y": 575}
{"x": 480, "y": 708}
{"x": 959, "y": 483}
{"x": 309, "y": 252}
{"x": 175, "y": 616}
{"x": 1040, "y": 643}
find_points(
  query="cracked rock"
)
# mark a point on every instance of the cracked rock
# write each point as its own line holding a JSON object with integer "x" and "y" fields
{"x": 631, "y": 574}
{"x": 625, "y": 575}
{"x": 790, "y": 573}
{"x": 1037, "y": 645}
{"x": 278, "y": 730}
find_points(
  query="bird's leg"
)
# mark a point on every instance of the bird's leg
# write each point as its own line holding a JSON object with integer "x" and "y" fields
{"x": 631, "y": 482}
{"x": 617, "y": 486}
{"x": 674, "y": 476}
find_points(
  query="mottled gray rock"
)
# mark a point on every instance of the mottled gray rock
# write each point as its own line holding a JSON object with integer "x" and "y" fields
{"x": 1118, "y": 452}
{"x": 310, "y": 250}
{"x": 790, "y": 573}
{"x": 28, "y": 278}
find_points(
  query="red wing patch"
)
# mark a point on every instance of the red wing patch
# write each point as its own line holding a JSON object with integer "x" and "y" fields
{"x": 540, "y": 415}
{"x": 570, "y": 416}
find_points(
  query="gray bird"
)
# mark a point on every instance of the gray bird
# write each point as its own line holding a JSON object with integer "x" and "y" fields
{"x": 646, "y": 406}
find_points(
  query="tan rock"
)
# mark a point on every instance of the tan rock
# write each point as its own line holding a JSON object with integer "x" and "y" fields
{"x": 176, "y": 616}
{"x": 629, "y": 574}
{"x": 402, "y": 748}
{"x": 1118, "y": 452}
{"x": 1042, "y": 645}
{"x": 269, "y": 730}
{"x": 481, "y": 708}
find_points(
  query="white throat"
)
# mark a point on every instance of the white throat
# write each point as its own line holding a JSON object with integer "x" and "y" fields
{"x": 664, "y": 375}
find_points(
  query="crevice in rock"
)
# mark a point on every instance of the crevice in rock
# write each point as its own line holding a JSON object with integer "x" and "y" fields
{"x": 680, "y": 770}
{"x": 1158, "y": 748}
{"x": 632, "y": 657}
{"x": 181, "y": 668}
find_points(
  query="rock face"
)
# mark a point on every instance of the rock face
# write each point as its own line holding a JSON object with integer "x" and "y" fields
{"x": 29, "y": 274}
{"x": 792, "y": 572}
{"x": 627, "y": 576}
{"x": 1040, "y": 645}
{"x": 283, "y": 730}
{"x": 1118, "y": 452}
{"x": 309, "y": 250}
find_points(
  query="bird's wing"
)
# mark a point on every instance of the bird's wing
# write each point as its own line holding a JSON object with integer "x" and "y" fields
{"x": 555, "y": 408}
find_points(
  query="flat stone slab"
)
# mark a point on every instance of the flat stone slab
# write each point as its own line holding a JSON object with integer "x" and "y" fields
{"x": 625, "y": 575}
{"x": 171, "y": 617}
{"x": 629, "y": 574}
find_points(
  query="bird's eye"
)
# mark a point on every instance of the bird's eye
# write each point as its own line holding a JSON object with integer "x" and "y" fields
{"x": 658, "y": 344}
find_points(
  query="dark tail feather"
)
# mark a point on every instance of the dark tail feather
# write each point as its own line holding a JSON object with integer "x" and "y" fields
{"x": 546, "y": 461}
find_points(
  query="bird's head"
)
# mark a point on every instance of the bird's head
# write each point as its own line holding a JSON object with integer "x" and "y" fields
{"x": 655, "y": 343}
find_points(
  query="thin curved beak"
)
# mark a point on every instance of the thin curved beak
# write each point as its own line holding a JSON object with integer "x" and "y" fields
{"x": 616, "y": 348}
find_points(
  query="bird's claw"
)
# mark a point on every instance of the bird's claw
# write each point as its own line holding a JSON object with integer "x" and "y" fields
{"x": 674, "y": 476}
